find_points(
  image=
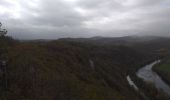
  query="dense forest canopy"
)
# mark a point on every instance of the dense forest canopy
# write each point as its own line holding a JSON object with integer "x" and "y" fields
{"x": 78, "y": 69}
{"x": 62, "y": 69}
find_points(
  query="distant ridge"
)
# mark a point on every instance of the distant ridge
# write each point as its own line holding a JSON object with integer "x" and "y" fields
{"x": 126, "y": 40}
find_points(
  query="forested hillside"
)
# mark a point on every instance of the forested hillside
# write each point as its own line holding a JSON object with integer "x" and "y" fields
{"x": 69, "y": 70}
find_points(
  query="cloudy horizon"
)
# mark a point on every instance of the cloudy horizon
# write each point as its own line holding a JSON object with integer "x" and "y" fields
{"x": 52, "y": 19}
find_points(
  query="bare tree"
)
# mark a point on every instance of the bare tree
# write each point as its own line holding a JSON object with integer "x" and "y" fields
{"x": 3, "y": 32}
{"x": 3, "y": 58}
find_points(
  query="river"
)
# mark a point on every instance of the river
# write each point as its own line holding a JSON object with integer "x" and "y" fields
{"x": 148, "y": 75}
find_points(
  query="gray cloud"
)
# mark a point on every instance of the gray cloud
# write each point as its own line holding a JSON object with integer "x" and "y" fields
{"x": 50, "y": 19}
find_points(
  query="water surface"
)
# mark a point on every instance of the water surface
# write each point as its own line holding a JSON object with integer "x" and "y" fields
{"x": 148, "y": 75}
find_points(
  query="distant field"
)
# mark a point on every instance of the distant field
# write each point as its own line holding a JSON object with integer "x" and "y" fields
{"x": 164, "y": 70}
{"x": 165, "y": 67}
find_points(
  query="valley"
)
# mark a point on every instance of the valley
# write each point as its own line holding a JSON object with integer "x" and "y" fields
{"x": 72, "y": 70}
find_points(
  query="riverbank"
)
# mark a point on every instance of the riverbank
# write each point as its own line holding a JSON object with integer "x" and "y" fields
{"x": 163, "y": 70}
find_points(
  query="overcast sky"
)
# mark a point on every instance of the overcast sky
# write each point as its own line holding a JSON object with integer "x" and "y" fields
{"x": 51, "y": 19}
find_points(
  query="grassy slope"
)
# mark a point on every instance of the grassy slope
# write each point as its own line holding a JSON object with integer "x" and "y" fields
{"x": 163, "y": 69}
{"x": 61, "y": 71}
